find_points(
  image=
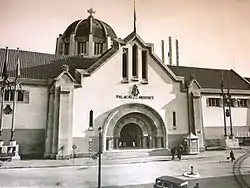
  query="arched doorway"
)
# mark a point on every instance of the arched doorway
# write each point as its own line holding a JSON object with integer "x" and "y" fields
{"x": 130, "y": 137}
{"x": 146, "y": 122}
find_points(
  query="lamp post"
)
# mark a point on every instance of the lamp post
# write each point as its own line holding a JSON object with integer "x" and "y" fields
{"x": 229, "y": 113}
{"x": 100, "y": 157}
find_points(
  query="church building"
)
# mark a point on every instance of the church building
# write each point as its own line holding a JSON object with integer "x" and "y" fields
{"x": 96, "y": 80}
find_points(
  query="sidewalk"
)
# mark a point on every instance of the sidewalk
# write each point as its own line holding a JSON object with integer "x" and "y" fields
{"x": 217, "y": 156}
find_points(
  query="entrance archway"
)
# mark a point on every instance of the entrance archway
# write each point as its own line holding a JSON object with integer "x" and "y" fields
{"x": 150, "y": 122}
{"x": 130, "y": 137}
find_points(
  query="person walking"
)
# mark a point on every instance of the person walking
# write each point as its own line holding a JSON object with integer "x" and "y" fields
{"x": 232, "y": 156}
{"x": 173, "y": 152}
{"x": 179, "y": 151}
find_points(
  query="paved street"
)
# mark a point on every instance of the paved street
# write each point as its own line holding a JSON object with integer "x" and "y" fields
{"x": 119, "y": 171}
{"x": 114, "y": 175}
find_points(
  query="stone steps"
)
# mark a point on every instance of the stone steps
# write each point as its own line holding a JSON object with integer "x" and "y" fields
{"x": 134, "y": 153}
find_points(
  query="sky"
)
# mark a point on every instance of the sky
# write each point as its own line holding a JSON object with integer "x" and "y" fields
{"x": 211, "y": 33}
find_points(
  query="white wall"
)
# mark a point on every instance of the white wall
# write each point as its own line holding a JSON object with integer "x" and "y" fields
{"x": 213, "y": 116}
{"x": 98, "y": 93}
{"x": 32, "y": 115}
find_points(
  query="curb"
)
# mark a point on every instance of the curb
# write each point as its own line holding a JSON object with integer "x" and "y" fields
{"x": 90, "y": 164}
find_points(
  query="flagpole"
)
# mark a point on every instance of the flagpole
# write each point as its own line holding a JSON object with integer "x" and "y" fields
{"x": 3, "y": 84}
{"x": 14, "y": 98}
{"x": 134, "y": 18}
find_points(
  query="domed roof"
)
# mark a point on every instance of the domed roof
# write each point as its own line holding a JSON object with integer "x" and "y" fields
{"x": 81, "y": 28}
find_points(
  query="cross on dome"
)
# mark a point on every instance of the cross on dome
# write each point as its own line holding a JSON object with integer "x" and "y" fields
{"x": 91, "y": 11}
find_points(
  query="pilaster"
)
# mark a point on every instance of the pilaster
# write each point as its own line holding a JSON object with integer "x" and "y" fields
{"x": 72, "y": 44}
{"x": 65, "y": 121}
{"x": 91, "y": 45}
{"x": 197, "y": 117}
{"x": 49, "y": 127}
{"x": 56, "y": 105}
{"x": 109, "y": 43}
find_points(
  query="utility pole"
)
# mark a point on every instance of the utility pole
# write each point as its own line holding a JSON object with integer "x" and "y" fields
{"x": 100, "y": 157}
{"x": 223, "y": 103}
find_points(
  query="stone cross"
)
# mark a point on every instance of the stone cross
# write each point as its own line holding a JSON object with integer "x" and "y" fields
{"x": 91, "y": 11}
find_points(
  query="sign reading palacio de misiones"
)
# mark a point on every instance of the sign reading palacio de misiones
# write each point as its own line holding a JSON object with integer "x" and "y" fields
{"x": 135, "y": 94}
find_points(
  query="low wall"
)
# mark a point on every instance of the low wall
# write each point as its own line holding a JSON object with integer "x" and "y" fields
{"x": 31, "y": 141}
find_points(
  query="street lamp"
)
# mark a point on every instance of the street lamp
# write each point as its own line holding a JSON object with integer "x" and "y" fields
{"x": 100, "y": 157}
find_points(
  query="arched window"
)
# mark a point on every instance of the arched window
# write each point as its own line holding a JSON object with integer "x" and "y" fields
{"x": 135, "y": 61}
{"x": 91, "y": 119}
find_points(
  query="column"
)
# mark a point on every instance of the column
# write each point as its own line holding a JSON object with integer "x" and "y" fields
{"x": 111, "y": 143}
{"x": 144, "y": 142}
{"x": 116, "y": 143}
{"x": 158, "y": 142}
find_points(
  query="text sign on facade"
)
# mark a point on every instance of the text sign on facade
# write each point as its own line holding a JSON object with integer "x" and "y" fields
{"x": 133, "y": 97}
{"x": 135, "y": 94}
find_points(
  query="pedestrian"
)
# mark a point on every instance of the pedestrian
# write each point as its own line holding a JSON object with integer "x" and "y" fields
{"x": 173, "y": 152}
{"x": 179, "y": 151}
{"x": 232, "y": 156}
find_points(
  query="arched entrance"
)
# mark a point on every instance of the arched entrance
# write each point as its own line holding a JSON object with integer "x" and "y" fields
{"x": 134, "y": 121}
{"x": 130, "y": 137}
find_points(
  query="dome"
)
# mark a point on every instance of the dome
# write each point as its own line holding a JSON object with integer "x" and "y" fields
{"x": 81, "y": 28}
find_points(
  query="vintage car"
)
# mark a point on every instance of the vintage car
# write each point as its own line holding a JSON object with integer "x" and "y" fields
{"x": 170, "y": 182}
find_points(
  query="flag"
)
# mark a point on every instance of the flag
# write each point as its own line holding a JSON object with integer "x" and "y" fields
{"x": 134, "y": 18}
{"x": 18, "y": 66}
{"x": 5, "y": 71}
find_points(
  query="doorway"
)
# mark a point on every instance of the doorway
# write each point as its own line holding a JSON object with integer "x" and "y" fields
{"x": 130, "y": 137}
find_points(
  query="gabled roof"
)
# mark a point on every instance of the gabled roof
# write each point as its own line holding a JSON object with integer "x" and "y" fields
{"x": 27, "y": 58}
{"x": 134, "y": 36}
{"x": 211, "y": 78}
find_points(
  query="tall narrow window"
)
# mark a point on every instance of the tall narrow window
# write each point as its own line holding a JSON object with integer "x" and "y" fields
{"x": 81, "y": 48}
{"x": 135, "y": 62}
{"x": 91, "y": 119}
{"x": 174, "y": 119}
{"x": 21, "y": 96}
{"x": 144, "y": 66}
{"x": 125, "y": 65}
{"x": 98, "y": 48}
{"x": 66, "y": 48}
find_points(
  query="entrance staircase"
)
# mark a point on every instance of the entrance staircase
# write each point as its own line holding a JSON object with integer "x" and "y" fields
{"x": 134, "y": 153}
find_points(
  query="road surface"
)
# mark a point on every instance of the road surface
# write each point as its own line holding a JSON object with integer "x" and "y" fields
{"x": 118, "y": 175}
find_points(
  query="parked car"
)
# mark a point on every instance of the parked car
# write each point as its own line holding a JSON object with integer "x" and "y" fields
{"x": 170, "y": 182}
